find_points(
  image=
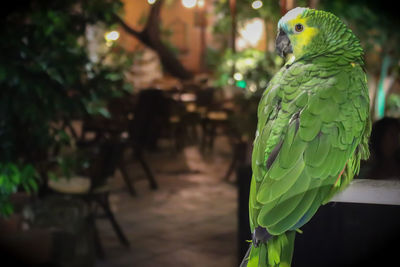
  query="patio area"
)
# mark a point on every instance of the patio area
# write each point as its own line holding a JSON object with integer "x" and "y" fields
{"x": 191, "y": 220}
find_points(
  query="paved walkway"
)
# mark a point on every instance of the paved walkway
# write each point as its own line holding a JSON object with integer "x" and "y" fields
{"x": 189, "y": 221}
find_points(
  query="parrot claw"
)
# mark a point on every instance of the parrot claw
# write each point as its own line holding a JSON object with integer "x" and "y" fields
{"x": 260, "y": 235}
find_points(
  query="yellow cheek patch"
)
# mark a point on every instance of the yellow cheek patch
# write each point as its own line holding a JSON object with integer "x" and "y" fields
{"x": 301, "y": 39}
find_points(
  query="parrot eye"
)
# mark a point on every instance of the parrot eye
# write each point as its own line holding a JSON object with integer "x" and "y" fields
{"x": 298, "y": 27}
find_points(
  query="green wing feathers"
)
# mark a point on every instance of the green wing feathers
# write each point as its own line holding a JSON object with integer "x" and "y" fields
{"x": 311, "y": 129}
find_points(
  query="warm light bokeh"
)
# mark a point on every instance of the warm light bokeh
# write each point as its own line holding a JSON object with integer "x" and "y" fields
{"x": 111, "y": 36}
{"x": 189, "y": 3}
{"x": 250, "y": 34}
{"x": 257, "y": 4}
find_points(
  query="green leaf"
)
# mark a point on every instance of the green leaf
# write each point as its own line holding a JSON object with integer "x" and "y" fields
{"x": 8, "y": 209}
{"x": 33, "y": 184}
{"x": 2, "y": 179}
{"x": 52, "y": 176}
{"x": 104, "y": 112}
{"x": 16, "y": 178}
{"x": 128, "y": 87}
{"x": 26, "y": 188}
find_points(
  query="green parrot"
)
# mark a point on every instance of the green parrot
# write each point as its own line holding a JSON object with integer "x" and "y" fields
{"x": 313, "y": 130}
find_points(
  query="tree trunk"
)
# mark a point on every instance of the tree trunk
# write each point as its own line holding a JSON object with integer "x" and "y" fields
{"x": 151, "y": 37}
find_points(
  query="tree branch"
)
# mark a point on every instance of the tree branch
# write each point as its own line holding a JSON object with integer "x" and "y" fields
{"x": 128, "y": 28}
{"x": 151, "y": 37}
{"x": 153, "y": 21}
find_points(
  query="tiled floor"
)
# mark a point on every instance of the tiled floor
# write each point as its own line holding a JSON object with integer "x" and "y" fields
{"x": 191, "y": 220}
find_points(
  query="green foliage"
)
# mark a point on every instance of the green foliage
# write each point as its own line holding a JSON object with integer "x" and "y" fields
{"x": 269, "y": 12}
{"x": 256, "y": 67}
{"x": 11, "y": 177}
{"x": 46, "y": 77}
{"x": 393, "y": 106}
{"x": 71, "y": 162}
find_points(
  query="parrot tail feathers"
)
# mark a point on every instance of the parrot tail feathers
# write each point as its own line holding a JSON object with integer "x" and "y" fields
{"x": 277, "y": 252}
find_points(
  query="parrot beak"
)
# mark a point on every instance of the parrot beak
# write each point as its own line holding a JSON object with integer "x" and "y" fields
{"x": 283, "y": 45}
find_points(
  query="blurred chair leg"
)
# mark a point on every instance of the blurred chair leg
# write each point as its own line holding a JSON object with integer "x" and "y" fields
{"x": 96, "y": 238}
{"x": 180, "y": 135}
{"x": 239, "y": 157}
{"x": 128, "y": 182}
{"x": 231, "y": 168}
{"x": 152, "y": 180}
{"x": 194, "y": 134}
{"x": 213, "y": 133}
{"x": 105, "y": 204}
{"x": 95, "y": 231}
{"x": 204, "y": 135}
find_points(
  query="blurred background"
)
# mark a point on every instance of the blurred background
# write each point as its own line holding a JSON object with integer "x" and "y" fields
{"x": 126, "y": 128}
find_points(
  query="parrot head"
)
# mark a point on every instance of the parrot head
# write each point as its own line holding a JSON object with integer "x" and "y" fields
{"x": 305, "y": 32}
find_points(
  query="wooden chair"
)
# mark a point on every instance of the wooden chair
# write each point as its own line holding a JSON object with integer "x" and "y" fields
{"x": 92, "y": 184}
{"x": 119, "y": 127}
{"x": 212, "y": 115}
{"x": 156, "y": 116}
